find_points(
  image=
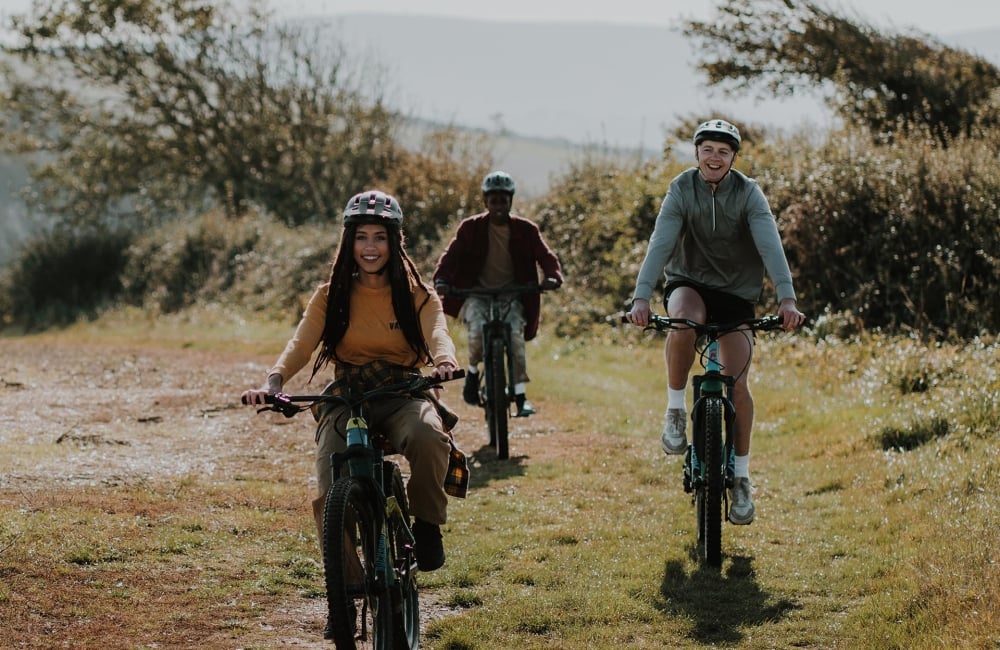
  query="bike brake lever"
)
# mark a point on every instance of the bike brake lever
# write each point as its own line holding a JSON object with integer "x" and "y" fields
{"x": 282, "y": 405}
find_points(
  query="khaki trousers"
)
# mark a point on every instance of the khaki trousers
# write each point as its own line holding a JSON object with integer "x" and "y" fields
{"x": 414, "y": 428}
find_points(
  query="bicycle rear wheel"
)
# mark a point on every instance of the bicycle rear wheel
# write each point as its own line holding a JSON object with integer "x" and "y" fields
{"x": 404, "y": 597}
{"x": 709, "y": 496}
{"x": 498, "y": 397}
{"x": 357, "y": 598}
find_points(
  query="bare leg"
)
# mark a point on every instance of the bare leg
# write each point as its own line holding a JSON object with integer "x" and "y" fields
{"x": 735, "y": 350}
{"x": 684, "y": 302}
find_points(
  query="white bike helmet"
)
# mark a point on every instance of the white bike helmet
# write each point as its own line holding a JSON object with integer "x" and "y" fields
{"x": 373, "y": 206}
{"x": 720, "y": 130}
{"x": 498, "y": 181}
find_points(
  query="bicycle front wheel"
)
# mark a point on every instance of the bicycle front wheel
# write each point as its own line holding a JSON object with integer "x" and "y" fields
{"x": 499, "y": 398}
{"x": 404, "y": 598}
{"x": 710, "y": 493}
{"x": 357, "y": 596}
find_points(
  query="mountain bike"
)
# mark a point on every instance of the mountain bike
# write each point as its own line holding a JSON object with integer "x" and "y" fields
{"x": 368, "y": 553}
{"x": 499, "y": 374}
{"x": 708, "y": 461}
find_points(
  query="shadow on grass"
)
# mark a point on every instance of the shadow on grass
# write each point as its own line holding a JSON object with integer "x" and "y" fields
{"x": 487, "y": 467}
{"x": 720, "y": 604}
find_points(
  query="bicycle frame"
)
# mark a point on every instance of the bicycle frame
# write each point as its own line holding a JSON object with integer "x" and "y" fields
{"x": 710, "y": 456}
{"x": 498, "y": 328}
{"x": 499, "y": 372}
{"x": 712, "y": 383}
{"x": 365, "y": 462}
{"x": 367, "y": 528}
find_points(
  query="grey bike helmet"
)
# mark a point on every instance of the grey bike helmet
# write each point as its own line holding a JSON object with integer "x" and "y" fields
{"x": 373, "y": 206}
{"x": 720, "y": 130}
{"x": 498, "y": 181}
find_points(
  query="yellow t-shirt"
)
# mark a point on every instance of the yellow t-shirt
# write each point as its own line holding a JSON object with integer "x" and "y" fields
{"x": 373, "y": 332}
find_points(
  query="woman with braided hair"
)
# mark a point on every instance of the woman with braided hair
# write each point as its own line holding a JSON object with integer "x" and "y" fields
{"x": 376, "y": 322}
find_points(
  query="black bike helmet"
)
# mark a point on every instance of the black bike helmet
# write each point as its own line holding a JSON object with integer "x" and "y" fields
{"x": 498, "y": 181}
{"x": 719, "y": 130}
{"x": 373, "y": 206}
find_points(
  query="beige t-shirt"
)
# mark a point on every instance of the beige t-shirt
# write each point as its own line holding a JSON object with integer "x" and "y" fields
{"x": 498, "y": 270}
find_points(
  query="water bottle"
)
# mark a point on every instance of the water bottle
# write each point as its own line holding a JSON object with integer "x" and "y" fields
{"x": 357, "y": 437}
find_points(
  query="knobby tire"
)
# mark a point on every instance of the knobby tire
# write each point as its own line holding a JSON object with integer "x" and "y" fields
{"x": 359, "y": 603}
{"x": 498, "y": 397}
{"x": 405, "y": 601}
{"x": 711, "y": 492}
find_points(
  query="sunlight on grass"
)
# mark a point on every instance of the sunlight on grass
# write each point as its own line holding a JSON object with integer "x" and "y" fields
{"x": 586, "y": 539}
{"x": 833, "y": 524}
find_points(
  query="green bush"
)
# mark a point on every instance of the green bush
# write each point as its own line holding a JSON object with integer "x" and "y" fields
{"x": 598, "y": 218}
{"x": 253, "y": 262}
{"x": 903, "y": 235}
{"x": 61, "y": 276}
{"x": 438, "y": 185}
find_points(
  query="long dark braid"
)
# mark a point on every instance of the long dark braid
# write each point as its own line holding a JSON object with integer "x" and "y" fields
{"x": 403, "y": 275}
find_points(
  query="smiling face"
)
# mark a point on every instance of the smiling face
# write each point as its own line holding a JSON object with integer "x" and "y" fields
{"x": 715, "y": 159}
{"x": 371, "y": 251}
{"x": 498, "y": 204}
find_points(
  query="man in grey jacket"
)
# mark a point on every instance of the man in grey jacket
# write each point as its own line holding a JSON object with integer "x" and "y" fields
{"x": 713, "y": 239}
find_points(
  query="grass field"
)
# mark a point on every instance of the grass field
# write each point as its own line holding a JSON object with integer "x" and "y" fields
{"x": 140, "y": 507}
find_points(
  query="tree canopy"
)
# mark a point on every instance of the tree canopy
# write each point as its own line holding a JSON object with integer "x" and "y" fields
{"x": 886, "y": 82}
{"x": 145, "y": 108}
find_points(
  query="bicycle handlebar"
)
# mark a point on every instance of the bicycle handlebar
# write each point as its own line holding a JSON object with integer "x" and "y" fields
{"x": 712, "y": 330}
{"x": 496, "y": 291}
{"x": 289, "y": 405}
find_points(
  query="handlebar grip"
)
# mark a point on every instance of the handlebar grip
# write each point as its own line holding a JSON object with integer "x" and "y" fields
{"x": 268, "y": 399}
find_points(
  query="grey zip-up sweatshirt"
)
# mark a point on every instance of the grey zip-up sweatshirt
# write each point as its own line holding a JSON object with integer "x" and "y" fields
{"x": 723, "y": 240}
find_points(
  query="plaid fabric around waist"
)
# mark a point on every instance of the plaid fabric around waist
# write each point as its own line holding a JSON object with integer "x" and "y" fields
{"x": 375, "y": 374}
{"x": 368, "y": 376}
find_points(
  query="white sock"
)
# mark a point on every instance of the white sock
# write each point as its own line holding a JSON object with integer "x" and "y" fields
{"x": 676, "y": 399}
{"x": 472, "y": 370}
{"x": 741, "y": 468}
{"x": 520, "y": 388}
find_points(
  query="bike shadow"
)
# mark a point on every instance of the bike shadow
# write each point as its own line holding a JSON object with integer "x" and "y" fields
{"x": 486, "y": 467}
{"x": 720, "y": 603}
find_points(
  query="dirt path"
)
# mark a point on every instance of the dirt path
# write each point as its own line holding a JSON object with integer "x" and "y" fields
{"x": 104, "y": 418}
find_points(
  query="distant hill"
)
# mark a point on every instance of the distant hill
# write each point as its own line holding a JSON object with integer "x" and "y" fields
{"x": 614, "y": 85}
{"x": 553, "y": 87}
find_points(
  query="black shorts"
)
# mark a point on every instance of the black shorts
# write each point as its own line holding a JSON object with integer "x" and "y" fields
{"x": 720, "y": 307}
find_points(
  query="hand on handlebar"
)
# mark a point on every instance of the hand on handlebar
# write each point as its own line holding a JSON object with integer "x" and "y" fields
{"x": 550, "y": 283}
{"x": 259, "y": 395}
{"x": 445, "y": 370}
{"x": 639, "y": 313}
{"x": 254, "y": 396}
{"x": 790, "y": 316}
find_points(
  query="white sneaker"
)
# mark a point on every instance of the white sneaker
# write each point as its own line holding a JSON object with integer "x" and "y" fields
{"x": 741, "y": 509}
{"x": 674, "y": 438}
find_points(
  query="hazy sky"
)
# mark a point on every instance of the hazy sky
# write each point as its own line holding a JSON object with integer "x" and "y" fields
{"x": 938, "y": 17}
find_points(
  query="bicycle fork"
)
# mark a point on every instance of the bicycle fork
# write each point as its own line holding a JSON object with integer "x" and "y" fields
{"x": 712, "y": 384}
